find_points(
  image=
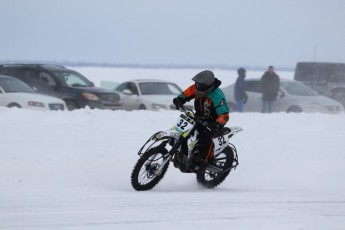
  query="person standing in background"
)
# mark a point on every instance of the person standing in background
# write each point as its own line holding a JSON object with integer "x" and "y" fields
{"x": 269, "y": 84}
{"x": 240, "y": 90}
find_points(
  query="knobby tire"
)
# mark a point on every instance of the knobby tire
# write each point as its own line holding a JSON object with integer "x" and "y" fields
{"x": 204, "y": 177}
{"x": 144, "y": 167}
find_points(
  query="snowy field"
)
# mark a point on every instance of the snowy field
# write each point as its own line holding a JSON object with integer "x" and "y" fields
{"x": 71, "y": 170}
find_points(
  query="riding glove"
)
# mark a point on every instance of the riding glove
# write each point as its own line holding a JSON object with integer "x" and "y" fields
{"x": 178, "y": 102}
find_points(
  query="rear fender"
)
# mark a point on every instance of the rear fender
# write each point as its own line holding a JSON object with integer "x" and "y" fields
{"x": 221, "y": 138}
{"x": 234, "y": 130}
{"x": 228, "y": 131}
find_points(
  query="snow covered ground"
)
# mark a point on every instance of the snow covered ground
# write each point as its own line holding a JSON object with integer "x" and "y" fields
{"x": 71, "y": 170}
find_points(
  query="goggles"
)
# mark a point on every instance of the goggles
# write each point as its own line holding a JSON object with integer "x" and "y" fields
{"x": 202, "y": 87}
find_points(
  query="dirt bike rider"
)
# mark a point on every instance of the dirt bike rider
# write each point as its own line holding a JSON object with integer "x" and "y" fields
{"x": 210, "y": 106}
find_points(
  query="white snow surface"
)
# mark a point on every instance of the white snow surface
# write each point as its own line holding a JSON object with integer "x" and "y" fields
{"x": 71, "y": 170}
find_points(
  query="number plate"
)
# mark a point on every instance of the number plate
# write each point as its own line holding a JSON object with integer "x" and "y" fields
{"x": 184, "y": 124}
{"x": 220, "y": 142}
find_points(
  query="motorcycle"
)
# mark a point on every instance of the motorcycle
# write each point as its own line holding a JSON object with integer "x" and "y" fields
{"x": 179, "y": 146}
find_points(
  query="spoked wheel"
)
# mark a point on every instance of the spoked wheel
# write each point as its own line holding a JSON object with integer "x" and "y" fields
{"x": 145, "y": 174}
{"x": 211, "y": 176}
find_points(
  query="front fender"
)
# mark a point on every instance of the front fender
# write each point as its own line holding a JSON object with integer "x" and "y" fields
{"x": 159, "y": 138}
{"x": 166, "y": 134}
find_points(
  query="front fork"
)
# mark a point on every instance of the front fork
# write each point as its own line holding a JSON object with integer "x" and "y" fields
{"x": 171, "y": 153}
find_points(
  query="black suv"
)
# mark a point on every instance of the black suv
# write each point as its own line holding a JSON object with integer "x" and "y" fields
{"x": 72, "y": 87}
{"x": 326, "y": 78}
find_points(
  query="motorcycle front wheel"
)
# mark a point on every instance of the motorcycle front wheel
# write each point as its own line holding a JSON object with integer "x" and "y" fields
{"x": 145, "y": 173}
{"x": 210, "y": 178}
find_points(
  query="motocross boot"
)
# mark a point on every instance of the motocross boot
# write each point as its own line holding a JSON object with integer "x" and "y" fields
{"x": 202, "y": 163}
{"x": 193, "y": 159}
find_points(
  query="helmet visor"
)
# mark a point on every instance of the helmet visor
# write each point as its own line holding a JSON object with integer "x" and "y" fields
{"x": 202, "y": 87}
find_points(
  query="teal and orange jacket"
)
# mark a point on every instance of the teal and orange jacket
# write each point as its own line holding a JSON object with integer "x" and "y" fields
{"x": 211, "y": 107}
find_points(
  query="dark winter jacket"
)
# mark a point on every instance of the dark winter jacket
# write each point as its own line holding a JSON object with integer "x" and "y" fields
{"x": 269, "y": 84}
{"x": 240, "y": 91}
{"x": 211, "y": 107}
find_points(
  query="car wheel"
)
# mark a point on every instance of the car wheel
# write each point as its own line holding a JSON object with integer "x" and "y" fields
{"x": 294, "y": 109}
{"x": 142, "y": 107}
{"x": 71, "y": 104}
{"x": 14, "y": 105}
{"x": 232, "y": 107}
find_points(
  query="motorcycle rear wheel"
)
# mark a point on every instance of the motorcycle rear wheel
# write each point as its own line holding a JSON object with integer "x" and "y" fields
{"x": 223, "y": 160}
{"x": 144, "y": 175}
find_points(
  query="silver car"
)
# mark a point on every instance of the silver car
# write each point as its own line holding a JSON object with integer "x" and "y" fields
{"x": 293, "y": 97}
{"x": 15, "y": 93}
{"x": 148, "y": 95}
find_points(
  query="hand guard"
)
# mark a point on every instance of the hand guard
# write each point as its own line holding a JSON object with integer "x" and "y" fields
{"x": 178, "y": 102}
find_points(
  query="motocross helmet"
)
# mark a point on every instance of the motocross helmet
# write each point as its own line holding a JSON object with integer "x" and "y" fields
{"x": 204, "y": 82}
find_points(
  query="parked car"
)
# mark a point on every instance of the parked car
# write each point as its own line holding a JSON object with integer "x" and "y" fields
{"x": 109, "y": 85}
{"x": 149, "y": 94}
{"x": 15, "y": 93}
{"x": 293, "y": 96}
{"x": 326, "y": 78}
{"x": 72, "y": 87}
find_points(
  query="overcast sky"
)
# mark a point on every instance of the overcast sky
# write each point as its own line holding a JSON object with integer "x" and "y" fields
{"x": 181, "y": 32}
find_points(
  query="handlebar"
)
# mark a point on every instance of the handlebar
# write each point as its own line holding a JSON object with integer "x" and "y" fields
{"x": 190, "y": 113}
{"x": 186, "y": 110}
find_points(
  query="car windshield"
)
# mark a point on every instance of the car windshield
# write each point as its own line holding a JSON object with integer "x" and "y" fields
{"x": 159, "y": 88}
{"x": 73, "y": 79}
{"x": 297, "y": 88}
{"x": 12, "y": 85}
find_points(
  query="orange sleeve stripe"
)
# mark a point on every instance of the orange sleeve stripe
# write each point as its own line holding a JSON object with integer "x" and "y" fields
{"x": 190, "y": 91}
{"x": 223, "y": 118}
{"x": 210, "y": 153}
